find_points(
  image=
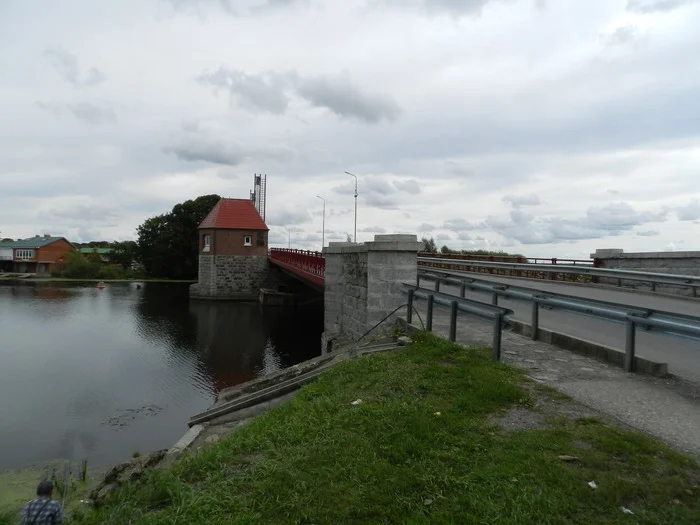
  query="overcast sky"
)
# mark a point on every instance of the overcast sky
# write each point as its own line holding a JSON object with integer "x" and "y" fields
{"x": 546, "y": 127}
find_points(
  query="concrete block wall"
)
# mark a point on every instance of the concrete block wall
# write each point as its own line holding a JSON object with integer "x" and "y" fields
{"x": 235, "y": 277}
{"x": 678, "y": 263}
{"x": 363, "y": 284}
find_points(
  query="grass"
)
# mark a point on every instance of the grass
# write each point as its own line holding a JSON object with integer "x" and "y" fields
{"x": 422, "y": 447}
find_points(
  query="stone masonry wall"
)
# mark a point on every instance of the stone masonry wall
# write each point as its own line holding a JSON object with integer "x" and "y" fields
{"x": 679, "y": 263}
{"x": 230, "y": 277}
{"x": 363, "y": 284}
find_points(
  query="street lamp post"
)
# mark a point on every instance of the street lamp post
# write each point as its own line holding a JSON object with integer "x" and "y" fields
{"x": 323, "y": 227}
{"x": 353, "y": 175}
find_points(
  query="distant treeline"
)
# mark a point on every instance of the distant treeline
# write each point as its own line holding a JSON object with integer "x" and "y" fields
{"x": 430, "y": 247}
{"x": 167, "y": 248}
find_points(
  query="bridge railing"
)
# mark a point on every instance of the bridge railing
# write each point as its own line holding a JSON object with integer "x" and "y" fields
{"x": 646, "y": 319}
{"x": 584, "y": 274}
{"x": 308, "y": 261}
{"x": 531, "y": 267}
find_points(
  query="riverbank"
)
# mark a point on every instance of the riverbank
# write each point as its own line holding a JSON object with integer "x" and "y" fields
{"x": 78, "y": 280}
{"x": 434, "y": 433}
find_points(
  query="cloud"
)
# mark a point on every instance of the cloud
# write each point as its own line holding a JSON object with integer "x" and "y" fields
{"x": 621, "y": 36}
{"x": 443, "y": 237}
{"x": 85, "y": 111}
{"x": 372, "y": 229}
{"x": 598, "y": 222}
{"x": 471, "y": 8}
{"x": 689, "y": 212}
{"x": 262, "y": 92}
{"x": 458, "y": 224}
{"x": 463, "y": 236}
{"x": 426, "y": 228}
{"x": 653, "y": 6}
{"x": 212, "y": 142}
{"x": 522, "y": 200}
{"x": 76, "y": 215}
{"x": 270, "y": 92}
{"x": 343, "y": 98}
{"x": 286, "y": 216}
{"x": 648, "y": 233}
{"x": 66, "y": 64}
{"x": 410, "y": 186}
{"x": 249, "y": 7}
{"x": 620, "y": 216}
{"x": 92, "y": 114}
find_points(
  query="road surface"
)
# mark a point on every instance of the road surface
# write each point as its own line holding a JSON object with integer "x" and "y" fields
{"x": 681, "y": 354}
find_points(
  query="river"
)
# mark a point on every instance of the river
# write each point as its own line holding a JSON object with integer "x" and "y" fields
{"x": 104, "y": 373}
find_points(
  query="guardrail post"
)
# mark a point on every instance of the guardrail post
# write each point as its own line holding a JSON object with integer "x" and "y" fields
{"x": 619, "y": 281}
{"x": 463, "y": 291}
{"x": 653, "y": 287}
{"x": 429, "y": 320}
{"x": 497, "y": 328}
{"x": 409, "y": 313}
{"x": 453, "y": 321}
{"x": 630, "y": 340}
{"x": 417, "y": 280}
{"x": 494, "y": 298}
{"x": 695, "y": 291}
{"x": 437, "y": 284}
{"x": 535, "y": 318}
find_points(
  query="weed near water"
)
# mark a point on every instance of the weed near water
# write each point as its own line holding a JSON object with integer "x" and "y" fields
{"x": 423, "y": 446}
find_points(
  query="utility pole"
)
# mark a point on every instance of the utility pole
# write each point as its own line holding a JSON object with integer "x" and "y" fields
{"x": 353, "y": 175}
{"x": 323, "y": 227}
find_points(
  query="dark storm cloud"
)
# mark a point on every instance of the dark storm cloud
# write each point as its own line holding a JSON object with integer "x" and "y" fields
{"x": 66, "y": 64}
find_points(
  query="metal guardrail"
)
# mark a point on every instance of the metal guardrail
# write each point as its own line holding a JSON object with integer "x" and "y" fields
{"x": 495, "y": 314}
{"x": 690, "y": 281}
{"x": 507, "y": 258}
{"x": 633, "y": 317}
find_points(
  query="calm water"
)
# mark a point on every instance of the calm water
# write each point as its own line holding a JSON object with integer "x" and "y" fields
{"x": 104, "y": 373}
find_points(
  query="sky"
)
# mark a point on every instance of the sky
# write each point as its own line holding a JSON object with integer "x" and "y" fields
{"x": 549, "y": 128}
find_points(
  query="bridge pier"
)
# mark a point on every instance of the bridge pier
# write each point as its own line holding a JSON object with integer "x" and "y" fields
{"x": 363, "y": 285}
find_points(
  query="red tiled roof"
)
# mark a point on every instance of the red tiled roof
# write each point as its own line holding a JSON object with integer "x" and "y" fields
{"x": 234, "y": 214}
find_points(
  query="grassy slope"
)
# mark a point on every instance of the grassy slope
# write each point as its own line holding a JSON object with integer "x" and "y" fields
{"x": 391, "y": 459}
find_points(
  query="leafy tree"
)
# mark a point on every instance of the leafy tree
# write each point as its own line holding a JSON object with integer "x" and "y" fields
{"x": 123, "y": 253}
{"x": 168, "y": 245}
{"x": 429, "y": 245}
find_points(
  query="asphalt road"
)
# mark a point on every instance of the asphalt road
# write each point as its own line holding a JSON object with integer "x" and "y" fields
{"x": 681, "y": 354}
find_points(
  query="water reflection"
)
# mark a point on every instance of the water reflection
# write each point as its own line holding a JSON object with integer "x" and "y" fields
{"x": 109, "y": 372}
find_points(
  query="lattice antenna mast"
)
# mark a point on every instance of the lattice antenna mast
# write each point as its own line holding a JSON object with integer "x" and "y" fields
{"x": 258, "y": 195}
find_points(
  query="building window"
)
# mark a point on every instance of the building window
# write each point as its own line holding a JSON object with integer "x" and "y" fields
{"x": 247, "y": 241}
{"x": 24, "y": 254}
{"x": 207, "y": 243}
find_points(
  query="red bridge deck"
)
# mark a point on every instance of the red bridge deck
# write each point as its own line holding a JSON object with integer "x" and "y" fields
{"x": 308, "y": 266}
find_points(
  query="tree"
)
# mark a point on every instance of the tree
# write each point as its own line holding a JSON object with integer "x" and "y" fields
{"x": 168, "y": 245}
{"x": 123, "y": 253}
{"x": 429, "y": 245}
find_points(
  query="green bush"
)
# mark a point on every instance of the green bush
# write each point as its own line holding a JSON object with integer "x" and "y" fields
{"x": 79, "y": 267}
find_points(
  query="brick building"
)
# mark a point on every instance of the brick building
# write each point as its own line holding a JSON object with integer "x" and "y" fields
{"x": 232, "y": 252}
{"x": 38, "y": 254}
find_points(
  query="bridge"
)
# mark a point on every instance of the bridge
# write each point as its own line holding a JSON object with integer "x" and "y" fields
{"x": 611, "y": 307}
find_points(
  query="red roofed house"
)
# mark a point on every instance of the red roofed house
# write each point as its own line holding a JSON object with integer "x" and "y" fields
{"x": 232, "y": 252}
